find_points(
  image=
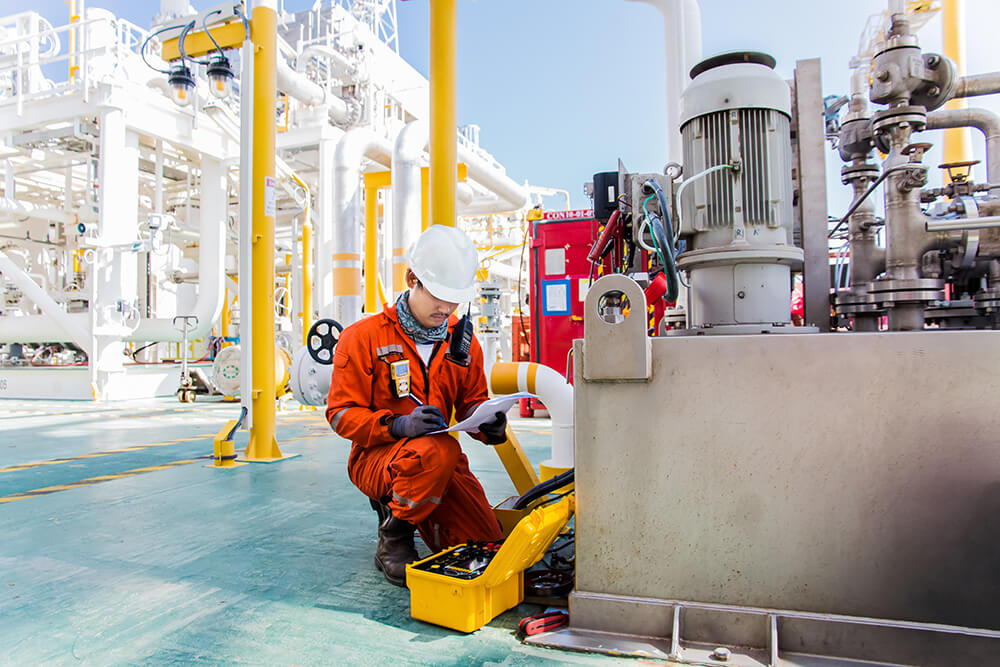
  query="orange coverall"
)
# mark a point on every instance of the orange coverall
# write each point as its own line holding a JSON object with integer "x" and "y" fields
{"x": 427, "y": 479}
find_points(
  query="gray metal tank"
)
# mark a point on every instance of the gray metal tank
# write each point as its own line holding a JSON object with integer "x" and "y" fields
{"x": 737, "y": 217}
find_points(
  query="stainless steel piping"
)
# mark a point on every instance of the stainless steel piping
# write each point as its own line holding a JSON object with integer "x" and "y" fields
{"x": 986, "y": 122}
{"x": 977, "y": 84}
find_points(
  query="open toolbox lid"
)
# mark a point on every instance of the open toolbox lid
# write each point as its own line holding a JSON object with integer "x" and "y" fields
{"x": 528, "y": 542}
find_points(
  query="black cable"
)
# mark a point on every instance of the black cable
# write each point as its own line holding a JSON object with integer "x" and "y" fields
{"x": 204, "y": 24}
{"x": 664, "y": 241}
{"x": 138, "y": 350}
{"x": 142, "y": 51}
{"x": 520, "y": 303}
{"x": 871, "y": 189}
{"x": 180, "y": 46}
{"x": 543, "y": 489}
{"x": 243, "y": 414}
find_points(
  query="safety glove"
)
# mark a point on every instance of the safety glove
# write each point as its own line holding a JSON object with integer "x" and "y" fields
{"x": 421, "y": 421}
{"x": 495, "y": 429}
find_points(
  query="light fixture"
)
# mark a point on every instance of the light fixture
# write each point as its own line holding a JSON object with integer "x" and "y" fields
{"x": 181, "y": 85}
{"x": 220, "y": 77}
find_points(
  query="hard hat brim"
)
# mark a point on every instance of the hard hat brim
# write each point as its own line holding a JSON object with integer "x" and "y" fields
{"x": 449, "y": 294}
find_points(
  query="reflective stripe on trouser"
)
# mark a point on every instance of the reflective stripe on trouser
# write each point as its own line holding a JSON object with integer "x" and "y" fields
{"x": 429, "y": 484}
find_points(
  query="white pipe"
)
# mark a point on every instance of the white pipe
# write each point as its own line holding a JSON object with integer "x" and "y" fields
{"x": 34, "y": 327}
{"x": 340, "y": 65}
{"x": 510, "y": 195}
{"x": 299, "y": 86}
{"x": 407, "y": 160}
{"x": 28, "y": 210}
{"x": 352, "y": 148}
{"x": 682, "y": 42}
{"x": 211, "y": 263}
{"x": 557, "y": 395}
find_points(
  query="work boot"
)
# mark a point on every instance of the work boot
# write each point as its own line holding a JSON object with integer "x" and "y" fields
{"x": 395, "y": 549}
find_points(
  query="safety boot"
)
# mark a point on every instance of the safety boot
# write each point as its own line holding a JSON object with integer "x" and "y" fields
{"x": 395, "y": 549}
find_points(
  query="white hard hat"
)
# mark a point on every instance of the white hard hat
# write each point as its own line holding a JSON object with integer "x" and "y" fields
{"x": 445, "y": 260}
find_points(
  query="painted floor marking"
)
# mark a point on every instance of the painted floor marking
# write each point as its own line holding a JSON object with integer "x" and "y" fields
{"x": 37, "y": 464}
{"x": 96, "y": 480}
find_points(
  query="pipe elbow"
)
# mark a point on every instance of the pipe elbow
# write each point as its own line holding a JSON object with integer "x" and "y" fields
{"x": 509, "y": 377}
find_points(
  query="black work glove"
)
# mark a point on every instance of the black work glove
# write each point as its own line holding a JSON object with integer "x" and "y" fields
{"x": 495, "y": 430}
{"x": 422, "y": 420}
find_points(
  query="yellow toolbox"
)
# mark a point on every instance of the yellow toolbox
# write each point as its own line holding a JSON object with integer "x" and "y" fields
{"x": 466, "y": 586}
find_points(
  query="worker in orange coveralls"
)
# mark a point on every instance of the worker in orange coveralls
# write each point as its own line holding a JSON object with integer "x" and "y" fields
{"x": 396, "y": 375}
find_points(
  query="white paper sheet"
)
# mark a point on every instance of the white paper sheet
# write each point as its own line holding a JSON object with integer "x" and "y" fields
{"x": 487, "y": 412}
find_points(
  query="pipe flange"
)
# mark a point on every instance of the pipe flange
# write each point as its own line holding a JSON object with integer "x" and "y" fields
{"x": 860, "y": 309}
{"x": 907, "y": 285}
{"x": 889, "y": 293}
{"x": 852, "y": 302}
{"x": 890, "y": 299}
{"x": 988, "y": 301}
{"x": 882, "y": 121}
{"x": 867, "y": 170}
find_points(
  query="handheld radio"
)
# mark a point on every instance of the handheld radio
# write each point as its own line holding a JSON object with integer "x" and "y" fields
{"x": 461, "y": 338}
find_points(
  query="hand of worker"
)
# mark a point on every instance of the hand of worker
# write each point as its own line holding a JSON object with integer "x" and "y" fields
{"x": 421, "y": 421}
{"x": 495, "y": 429}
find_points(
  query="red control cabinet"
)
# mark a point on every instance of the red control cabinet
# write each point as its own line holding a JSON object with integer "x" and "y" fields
{"x": 560, "y": 276}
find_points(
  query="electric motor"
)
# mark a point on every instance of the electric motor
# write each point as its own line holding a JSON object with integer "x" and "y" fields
{"x": 736, "y": 200}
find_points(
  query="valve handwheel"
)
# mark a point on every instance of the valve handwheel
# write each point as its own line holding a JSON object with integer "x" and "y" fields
{"x": 323, "y": 337}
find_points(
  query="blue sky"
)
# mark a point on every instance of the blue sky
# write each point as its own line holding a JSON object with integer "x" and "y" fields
{"x": 563, "y": 88}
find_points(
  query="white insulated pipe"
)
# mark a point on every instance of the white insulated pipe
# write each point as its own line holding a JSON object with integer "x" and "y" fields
{"x": 410, "y": 145}
{"x": 28, "y": 210}
{"x": 298, "y": 85}
{"x": 35, "y": 329}
{"x": 341, "y": 66}
{"x": 407, "y": 160}
{"x": 345, "y": 239}
{"x": 682, "y": 41}
{"x": 211, "y": 263}
{"x": 509, "y": 377}
{"x": 510, "y": 195}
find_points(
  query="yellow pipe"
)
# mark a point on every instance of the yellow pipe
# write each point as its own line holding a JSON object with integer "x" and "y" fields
{"x": 307, "y": 290}
{"x": 227, "y": 316}
{"x": 264, "y": 33}
{"x": 73, "y": 18}
{"x": 371, "y": 250}
{"x": 443, "y": 149}
{"x": 957, "y": 141}
{"x": 306, "y": 278}
{"x": 381, "y": 290}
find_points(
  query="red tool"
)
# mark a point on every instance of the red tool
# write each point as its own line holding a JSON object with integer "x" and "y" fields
{"x": 611, "y": 231}
{"x": 544, "y": 622}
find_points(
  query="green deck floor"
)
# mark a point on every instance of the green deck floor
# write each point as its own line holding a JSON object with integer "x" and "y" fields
{"x": 266, "y": 564}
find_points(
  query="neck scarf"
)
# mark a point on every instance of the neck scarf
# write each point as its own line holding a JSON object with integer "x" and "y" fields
{"x": 412, "y": 328}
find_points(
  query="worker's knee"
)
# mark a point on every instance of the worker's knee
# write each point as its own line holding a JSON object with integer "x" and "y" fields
{"x": 438, "y": 452}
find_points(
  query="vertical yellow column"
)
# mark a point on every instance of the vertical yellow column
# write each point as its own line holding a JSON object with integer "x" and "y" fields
{"x": 371, "y": 249}
{"x": 443, "y": 29}
{"x": 957, "y": 141}
{"x": 425, "y": 199}
{"x": 307, "y": 292}
{"x": 73, "y": 18}
{"x": 227, "y": 317}
{"x": 264, "y": 32}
